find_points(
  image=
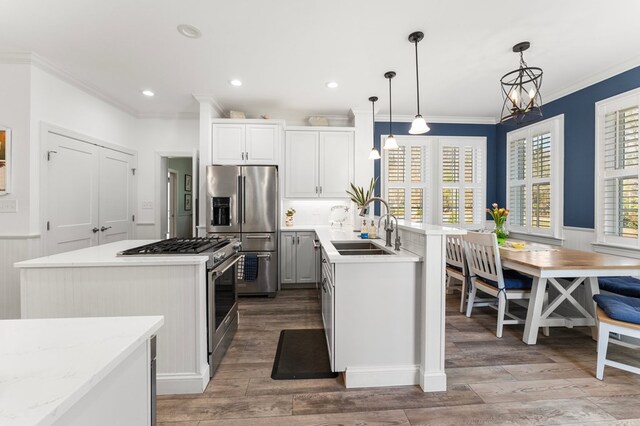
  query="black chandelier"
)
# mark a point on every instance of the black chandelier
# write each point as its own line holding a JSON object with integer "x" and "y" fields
{"x": 521, "y": 91}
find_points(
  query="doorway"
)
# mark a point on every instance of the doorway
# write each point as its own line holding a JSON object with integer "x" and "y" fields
{"x": 172, "y": 203}
{"x": 178, "y": 196}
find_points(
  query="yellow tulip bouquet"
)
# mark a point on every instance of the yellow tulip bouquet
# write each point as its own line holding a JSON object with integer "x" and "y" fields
{"x": 499, "y": 215}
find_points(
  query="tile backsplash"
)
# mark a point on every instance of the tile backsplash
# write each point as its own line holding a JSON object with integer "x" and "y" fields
{"x": 315, "y": 211}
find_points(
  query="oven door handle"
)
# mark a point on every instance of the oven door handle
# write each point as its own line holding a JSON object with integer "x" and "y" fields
{"x": 226, "y": 265}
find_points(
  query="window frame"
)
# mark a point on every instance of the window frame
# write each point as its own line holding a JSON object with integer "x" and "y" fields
{"x": 433, "y": 185}
{"x": 554, "y": 126}
{"x": 602, "y": 108}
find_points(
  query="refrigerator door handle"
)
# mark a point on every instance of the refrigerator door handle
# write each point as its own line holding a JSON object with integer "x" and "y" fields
{"x": 244, "y": 199}
{"x": 240, "y": 202}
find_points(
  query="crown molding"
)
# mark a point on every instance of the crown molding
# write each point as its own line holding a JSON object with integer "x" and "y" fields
{"x": 439, "y": 119}
{"x": 46, "y": 66}
{"x": 210, "y": 100}
{"x": 170, "y": 115}
{"x": 594, "y": 79}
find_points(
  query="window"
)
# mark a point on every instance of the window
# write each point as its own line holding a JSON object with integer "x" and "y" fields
{"x": 534, "y": 181}
{"x": 437, "y": 180}
{"x": 617, "y": 169}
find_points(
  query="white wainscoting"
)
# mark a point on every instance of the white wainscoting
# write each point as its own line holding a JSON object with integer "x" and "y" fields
{"x": 175, "y": 291}
{"x": 14, "y": 249}
{"x": 579, "y": 238}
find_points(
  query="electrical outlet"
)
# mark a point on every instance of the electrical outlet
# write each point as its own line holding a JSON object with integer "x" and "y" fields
{"x": 8, "y": 206}
{"x": 147, "y": 205}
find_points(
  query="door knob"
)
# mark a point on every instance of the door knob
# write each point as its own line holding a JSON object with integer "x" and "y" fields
{"x": 95, "y": 230}
{"x": 105, "y": 228}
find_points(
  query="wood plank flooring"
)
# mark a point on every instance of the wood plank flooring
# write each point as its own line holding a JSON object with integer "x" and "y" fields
{"x": 491, "y": 381}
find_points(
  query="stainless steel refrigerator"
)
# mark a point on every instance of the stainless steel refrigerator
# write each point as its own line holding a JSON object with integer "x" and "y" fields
{"x": 243, "y": 201}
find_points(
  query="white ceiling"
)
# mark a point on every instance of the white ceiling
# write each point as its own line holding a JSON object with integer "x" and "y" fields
{"x": 285, "y": 51}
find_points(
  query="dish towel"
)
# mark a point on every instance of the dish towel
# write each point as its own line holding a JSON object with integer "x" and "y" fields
{"x": 250, "y": 267}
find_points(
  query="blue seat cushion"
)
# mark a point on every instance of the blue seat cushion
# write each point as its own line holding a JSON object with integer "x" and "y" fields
{"x": 625, "y": 286}
{"x": 513, "y": 280}
{"x": 621, "y": 308}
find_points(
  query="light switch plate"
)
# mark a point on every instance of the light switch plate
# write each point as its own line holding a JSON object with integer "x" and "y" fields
{"x": 8, "y": 206}
{"x": 147, "y": 204}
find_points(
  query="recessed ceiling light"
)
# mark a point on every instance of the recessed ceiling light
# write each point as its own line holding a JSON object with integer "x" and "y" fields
{"x": 235, "y": 82}
{"x": 148, "y": 93}
{"x": 189, "y": 31}
{"x": 332, "y": 85}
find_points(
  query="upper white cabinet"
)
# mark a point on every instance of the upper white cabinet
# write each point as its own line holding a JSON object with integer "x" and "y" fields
{"x": 318, "y": 163}
{"x": 238, "y": 143}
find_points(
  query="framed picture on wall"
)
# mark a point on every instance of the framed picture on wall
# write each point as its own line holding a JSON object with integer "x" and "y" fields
{"x": 187, "y": 183}
{"x": 5, "y": 160}
{"x": 187, "y": 202}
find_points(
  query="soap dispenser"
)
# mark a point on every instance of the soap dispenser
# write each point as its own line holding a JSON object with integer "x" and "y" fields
{"x": 364, "y": 232}
{"x": 372, "y": 231}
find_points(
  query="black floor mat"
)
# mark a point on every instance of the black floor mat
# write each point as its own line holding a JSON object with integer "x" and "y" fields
{"x": 302, "y": 354}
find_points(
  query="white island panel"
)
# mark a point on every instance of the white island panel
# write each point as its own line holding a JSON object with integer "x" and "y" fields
{"x": 97, "y": 283}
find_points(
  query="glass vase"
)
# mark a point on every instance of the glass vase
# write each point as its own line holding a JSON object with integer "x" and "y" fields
{"x": 501, "y": 233}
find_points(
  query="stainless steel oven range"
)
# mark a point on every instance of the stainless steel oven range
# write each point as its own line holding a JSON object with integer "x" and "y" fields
{"x": 222, "y": 282}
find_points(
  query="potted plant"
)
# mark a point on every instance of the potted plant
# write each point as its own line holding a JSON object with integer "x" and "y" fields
{"x": 288, "y": 216}
{"x": 499, "y": 215}
{"x": 358, "y": 195}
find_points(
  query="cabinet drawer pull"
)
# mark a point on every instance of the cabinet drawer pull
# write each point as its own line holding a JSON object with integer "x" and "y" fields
{"x": 243, "y": 155}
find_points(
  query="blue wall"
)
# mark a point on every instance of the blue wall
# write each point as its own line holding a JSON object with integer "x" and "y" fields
{"x": 579, "y": 146}
{"x": 443, "y": 129}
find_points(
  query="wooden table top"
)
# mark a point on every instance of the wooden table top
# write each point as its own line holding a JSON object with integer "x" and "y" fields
{"x": 560, "y": 258}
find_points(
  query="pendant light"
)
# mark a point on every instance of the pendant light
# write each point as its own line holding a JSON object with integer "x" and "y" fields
{"x": 419, "y": 125}
{"x": 390, "y": 141}
{"x": 374, "y": 155}
{"x": 521, "y": 91}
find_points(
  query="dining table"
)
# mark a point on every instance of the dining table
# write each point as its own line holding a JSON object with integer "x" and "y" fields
{"x": 566, "y": 270}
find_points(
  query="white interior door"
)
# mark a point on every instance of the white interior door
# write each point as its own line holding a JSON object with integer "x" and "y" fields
{"x": 116, "y": 185}
{"x": 72, "y": 194}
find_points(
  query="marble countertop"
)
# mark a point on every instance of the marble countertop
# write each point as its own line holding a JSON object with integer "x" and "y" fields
{"x": 47, "y": 365}
{"x": 107, "y": 255}
{"x": 326, "y": 234}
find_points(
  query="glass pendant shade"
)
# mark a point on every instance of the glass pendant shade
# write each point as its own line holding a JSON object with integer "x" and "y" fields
{"x": 419, "y": 126}
{"x": 390, "y": 143}
{"x": 374, "y": 154}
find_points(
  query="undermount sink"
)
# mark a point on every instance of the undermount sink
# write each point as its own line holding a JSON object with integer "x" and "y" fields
{"x": 359, "y": 248}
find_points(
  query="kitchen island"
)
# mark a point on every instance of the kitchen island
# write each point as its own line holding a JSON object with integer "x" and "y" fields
{"x": 95, "y": 282}
{"x": 384, "y": 315}
{"x": 77, "y": 371}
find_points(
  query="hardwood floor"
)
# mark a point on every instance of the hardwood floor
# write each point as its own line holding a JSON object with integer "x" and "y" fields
{"x": 491, "y": 381}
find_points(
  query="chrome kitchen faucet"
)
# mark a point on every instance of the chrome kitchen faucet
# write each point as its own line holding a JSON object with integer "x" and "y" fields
{"x": 388, "y": 225}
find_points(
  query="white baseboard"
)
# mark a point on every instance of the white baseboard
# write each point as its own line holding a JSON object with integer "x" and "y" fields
{"x": 367, "y": 377}
{"x": 433, "y": 382}
{"x": 173, "y": 384}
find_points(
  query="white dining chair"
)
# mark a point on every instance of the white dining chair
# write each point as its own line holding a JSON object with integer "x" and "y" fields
{"x": 620, "y": 315}
{"x": 486, "y": 275}
{"x": 457, "y": 268}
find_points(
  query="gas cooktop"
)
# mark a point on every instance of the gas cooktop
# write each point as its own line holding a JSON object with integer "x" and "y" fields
{"x": 179, "y": 246}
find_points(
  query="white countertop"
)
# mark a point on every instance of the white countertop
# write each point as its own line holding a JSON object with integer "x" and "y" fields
{"x": 106, "y": 255}
{"x": 47, "y": 365}
{"x": 326, "y": 234}
{"x": 427, "y": 229}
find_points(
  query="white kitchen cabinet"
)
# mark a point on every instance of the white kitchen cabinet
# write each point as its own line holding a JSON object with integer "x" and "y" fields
{"x": 298, "y": 257}
{"x": 318, "y": 163}
{"x": 328, "y": 306}
{"x": 238, "y": 143}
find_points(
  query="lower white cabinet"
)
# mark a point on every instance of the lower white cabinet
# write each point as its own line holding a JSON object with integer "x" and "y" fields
{"x": 298, "y": 257}
{"x": 328, "y": 302}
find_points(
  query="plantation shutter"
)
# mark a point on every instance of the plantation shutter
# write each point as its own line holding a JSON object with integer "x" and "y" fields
{"x": 407, "y": 181}
{"x": 517, "y": 194}
{"x": 619, "y": 188}
{"x": 462, "y": 183}
{"x": 541, "y": 181}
